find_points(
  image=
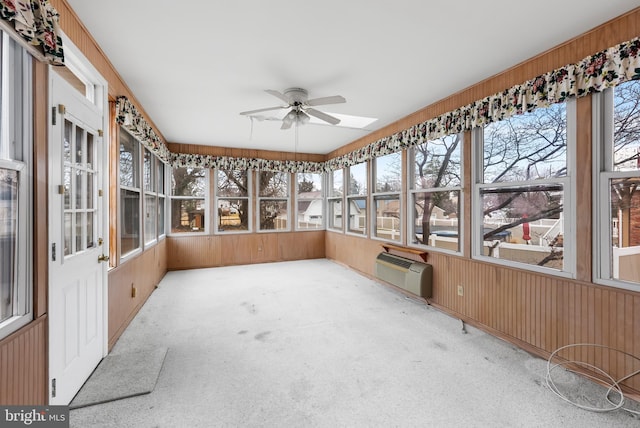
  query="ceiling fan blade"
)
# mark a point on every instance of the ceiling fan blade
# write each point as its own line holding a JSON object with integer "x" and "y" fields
{"x": 260, "y": 110}
{"x": 277, "y": 94}
{"x": 335, "y": 99}
{"x": 322, "y": 116}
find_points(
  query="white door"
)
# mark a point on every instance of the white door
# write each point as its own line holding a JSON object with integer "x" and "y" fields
{"x": 77, "y": 268}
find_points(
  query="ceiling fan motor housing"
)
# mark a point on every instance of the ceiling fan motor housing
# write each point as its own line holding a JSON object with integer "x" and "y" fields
{"x": 297, "y": 96}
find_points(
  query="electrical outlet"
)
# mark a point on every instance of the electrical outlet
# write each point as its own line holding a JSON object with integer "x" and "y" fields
{"x": 460, "y": 290}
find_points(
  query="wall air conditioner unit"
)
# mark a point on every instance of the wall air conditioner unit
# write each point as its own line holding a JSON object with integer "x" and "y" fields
{"x": 412, "y": 276}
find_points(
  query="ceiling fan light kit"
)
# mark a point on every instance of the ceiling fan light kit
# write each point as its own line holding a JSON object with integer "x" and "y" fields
{"x": 301, "y": 107}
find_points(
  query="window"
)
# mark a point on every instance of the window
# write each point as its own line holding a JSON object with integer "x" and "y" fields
{"x": 619, "y": 186}
{"x": 387, "y": 172}
{"x": 334, "y": 201}
{"x": 153, "y": 177}
{"x": 523, "y": 189}
{"x": 273, "y": 200}
{"x": 15, "y": 187}
{"x": 310, "y": 201}
{"x": 160, "y": 189}
{"x": 357, "y": 199}
{"x": 435, "y": 193}
{"x": 130, "y": 194}
{"x": 189, "y": 190}
{"x": 232, "y": 200}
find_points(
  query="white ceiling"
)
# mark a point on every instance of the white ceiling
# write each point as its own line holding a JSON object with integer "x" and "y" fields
{"x": 194, "y": 65}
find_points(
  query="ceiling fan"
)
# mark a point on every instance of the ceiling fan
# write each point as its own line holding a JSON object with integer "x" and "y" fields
{"x": 300, "y": 107}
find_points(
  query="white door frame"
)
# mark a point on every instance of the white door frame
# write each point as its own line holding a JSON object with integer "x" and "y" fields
{"x": 76, "y": 61}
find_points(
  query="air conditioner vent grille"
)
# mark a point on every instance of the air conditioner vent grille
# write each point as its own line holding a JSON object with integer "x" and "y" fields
{"x": 394, "y": 260}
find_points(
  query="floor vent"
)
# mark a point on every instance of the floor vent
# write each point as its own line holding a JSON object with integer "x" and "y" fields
{"x": 412, "y": 276}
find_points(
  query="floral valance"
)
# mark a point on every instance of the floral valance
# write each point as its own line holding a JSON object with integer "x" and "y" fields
{"x": 36, "y": 21}
{"x": 128, "y": 116}
{"x": 225, "y": 162}
{"x": 595, "y": 73}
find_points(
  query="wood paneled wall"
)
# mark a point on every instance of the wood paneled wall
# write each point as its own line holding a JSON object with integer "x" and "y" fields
{"x": 188, "y": 252}
{"x": 23, "y": 365}
{"x": 538, "y": 312}
{"x": 143, "y": 273}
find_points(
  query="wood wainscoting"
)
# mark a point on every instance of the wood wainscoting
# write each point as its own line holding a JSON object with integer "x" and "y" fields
{"x": 189, "y": 252}
{"x": 131, "y": 284}
{"x": 537, "y": 312}
{"x": 23, "y": 365}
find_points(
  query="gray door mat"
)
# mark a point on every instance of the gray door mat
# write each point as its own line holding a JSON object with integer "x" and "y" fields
{"x": 121, "y": 376}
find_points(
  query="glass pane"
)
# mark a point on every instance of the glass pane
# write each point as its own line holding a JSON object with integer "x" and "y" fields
{"x": 233, "y": 215}
{"x": 310, "y": 213}
{"x": 67, "y": 187}
{"x": 625, "y": 229}
{"x": 66, "y": 150}
{"x": 188, "y": 182}
{"x": 387, "y": 224}
{"x": 337, "y": 183}
{"x": 147, "y": 171}
{"x": 159, "y": 177}
{"x": 358, "y": 179}
{"x": 91, "y": 162}
{"x": 273, "y": 184}
{"x": 161, "y": 226}
{"x": 357, "y": 211}
{"x": 335, "y": 214}
{"x": 80, "y": 223}
{"x": 129, "y": 221}
{"x": 9, "y": 186}
{"x": 309, "y": 185}
{"x": 437, "y": 163}
{"x": 435, "y": 216}
{"x": 187, "y": 215}
{"x": 527, "y": 147}
{"x": 626, "y": 123}
{"x": 150, "y": 218}
{"x": 80, "y": 145}
{"x": 79, "y": 190}
{"x": 524, "y": 224}
{"x": 273, "y": 215}
{"x": 388, "y": 171}
{"x": 68, "y": 228}
{"x": 128, "y": 160}
{"x": 91, "y": 184}
{"x": 91, "y": 236}
{"x": 233, "y": 183}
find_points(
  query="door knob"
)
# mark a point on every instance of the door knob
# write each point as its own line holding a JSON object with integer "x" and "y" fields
{"x": 103, "y": 258}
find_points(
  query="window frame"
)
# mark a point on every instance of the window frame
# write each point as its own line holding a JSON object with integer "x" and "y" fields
{"x": 217, "y": 198}
{"x": 388, "y": 195}
{"x": 412, "y": 191}
{"x": 352, "y": 197}
{"x": 260, "y": 199}
{"x": 335, "y": 196}
{"x": 320, "y": 198}
{"x": 205, "y": 198}
{"x": 19, "y": 90}
{"x": 569, "y": 201}
{"x": 136, "y": 174}
{"x": 603, "y": 107}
